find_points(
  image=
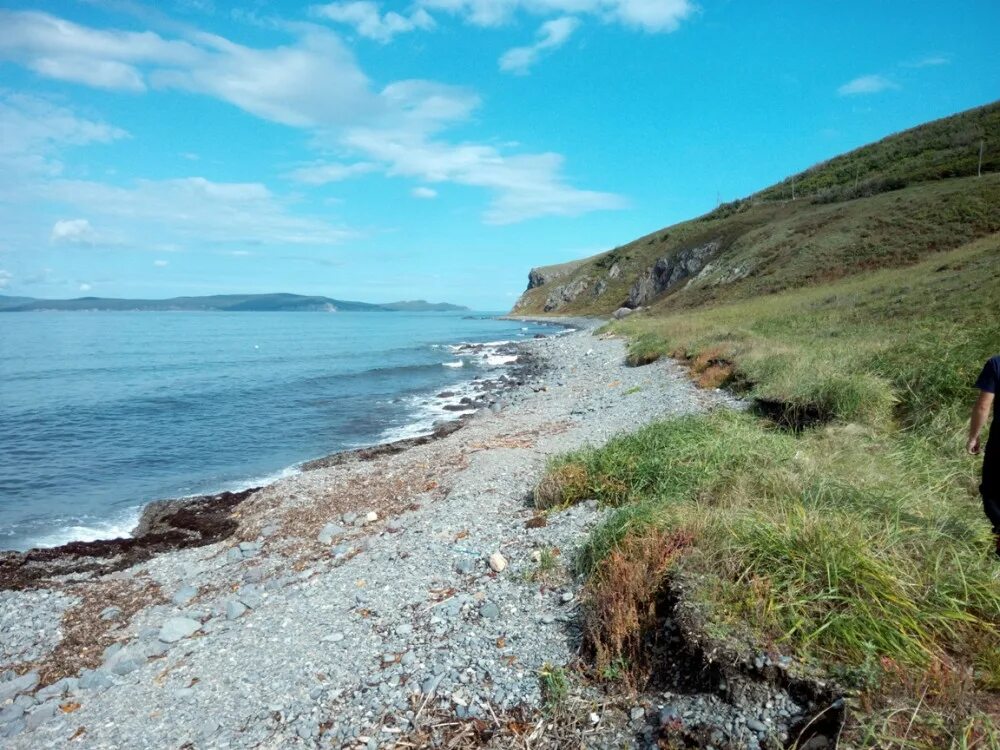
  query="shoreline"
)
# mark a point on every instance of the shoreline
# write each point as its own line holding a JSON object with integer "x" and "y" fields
{"x": 356, "y": 603}
{"x": 467, "y": 396}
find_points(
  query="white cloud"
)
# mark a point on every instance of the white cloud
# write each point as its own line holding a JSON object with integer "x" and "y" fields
{"x": 424, "y": 192}
{"x": 928, "y": 62}
{"x": 72, "y": 232}
{"x": 651, "y": 16}
{"x": 5, "y": 277}
{"x": 161, "y": 263}
{"x": 196, "y": 209}
{"x": 323, "y": 173}
{"x": 367, "y": 19}
{"x": 313, "y": 83}
{"x": 33, "y": 130}
{"x": 524, "y": 186}
{"x": 870, "y": 84}
{"x": 85, "y": 287}
{"x": 277, "y": 84}
{"x": 57, "y": 48}
{"x": 551, "y": 35}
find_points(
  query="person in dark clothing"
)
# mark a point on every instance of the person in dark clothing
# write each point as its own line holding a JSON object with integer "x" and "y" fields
{"x": 988, "y": 383}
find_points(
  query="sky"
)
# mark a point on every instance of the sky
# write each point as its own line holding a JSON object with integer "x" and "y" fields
{"x": 433, "y": 149}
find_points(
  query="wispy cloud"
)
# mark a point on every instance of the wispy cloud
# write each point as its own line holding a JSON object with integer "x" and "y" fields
{"x": 868, "y": 84}
{"x": 5, "y": 278}
{"x": 323, "y": 173}
{"x": 424, "y": 192}
{"x": 551, "y": 36}
{"x": 651, "y": 16}
{"x": 197, "y": 209}
{"x": 161, "y": 263}
{"x": 929, "y": 61}
{"x": 368, "y": 20}
{"x": 524, "y": 186}
{"x": 399, "y": 130}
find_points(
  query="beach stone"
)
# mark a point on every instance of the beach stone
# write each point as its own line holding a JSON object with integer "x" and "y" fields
{"x": 371, "y": 517}
{"x": 637, "y": 713}
{"x": 123, "y": 667}
{"x": 498, "y": 562}
{"x": 489, "y": 611}
{"x": 184, "y": 594}
{"x": 234, "y": 555}
{"x": 177, "y": 628}
{"x": 329, "y": 532}
{"x": 349, "y": 518}
{"x": 10, "y": 713}
{"x": 110, "y": 613}
{"x": 40, "y": 715}
{"x": 235, "y": 609}
{"x": 465, "y": 565}
{"x": 668, "y": 714}
{"x": 567, "y": 597}
{"x": 15, "y": 687}
{"x": 756, "y": 726}
{"x": 12, "y": 729}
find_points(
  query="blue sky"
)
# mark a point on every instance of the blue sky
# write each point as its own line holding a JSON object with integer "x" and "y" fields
{"x": 435, "y": 148}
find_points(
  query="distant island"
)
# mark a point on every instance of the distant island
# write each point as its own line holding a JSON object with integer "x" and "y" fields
{"x": 221, "y": 303}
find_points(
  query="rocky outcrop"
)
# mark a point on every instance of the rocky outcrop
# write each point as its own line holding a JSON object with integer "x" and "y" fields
{"x": 547, "y": 274}
{"x": 566, "y": 293}
{"x": 669, "y": 271}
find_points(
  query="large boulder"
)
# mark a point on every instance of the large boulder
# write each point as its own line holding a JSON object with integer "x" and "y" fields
{"x": 669, "y": 271}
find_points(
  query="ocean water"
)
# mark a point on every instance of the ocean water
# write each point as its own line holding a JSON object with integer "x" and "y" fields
{"x": 103, "y": 412}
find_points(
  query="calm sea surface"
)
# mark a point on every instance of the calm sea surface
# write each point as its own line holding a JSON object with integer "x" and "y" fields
{"x": 103, "y": 412}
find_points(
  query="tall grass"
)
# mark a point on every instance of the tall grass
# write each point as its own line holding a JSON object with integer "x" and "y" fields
{"x": 859, "y": 545}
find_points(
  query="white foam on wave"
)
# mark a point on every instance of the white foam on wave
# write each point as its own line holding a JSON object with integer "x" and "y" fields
{"x": 496, "y": 360}
{"x": 122, "y": 525}
{"x": 456, "y": 363}
{"x": 259, "y": 481}
{"x": 117, "y": 528}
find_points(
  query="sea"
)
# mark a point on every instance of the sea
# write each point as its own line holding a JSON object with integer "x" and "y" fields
{"x": 103, "y": 412}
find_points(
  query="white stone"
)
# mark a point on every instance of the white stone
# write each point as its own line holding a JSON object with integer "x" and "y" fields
{"x": 498, "y": 562}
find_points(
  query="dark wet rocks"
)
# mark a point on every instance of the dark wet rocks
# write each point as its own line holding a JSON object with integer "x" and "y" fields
{"x": 164, "y": 526}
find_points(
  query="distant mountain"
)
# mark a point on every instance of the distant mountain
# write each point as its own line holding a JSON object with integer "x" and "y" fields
{"x": 218, "y": 302}
{"x": 419, "y": 305}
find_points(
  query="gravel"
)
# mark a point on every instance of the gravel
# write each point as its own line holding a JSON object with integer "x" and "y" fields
{"x": 346, "y": 631}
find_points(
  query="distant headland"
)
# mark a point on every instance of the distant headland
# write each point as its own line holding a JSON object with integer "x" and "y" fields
{"x": 221, "y": 303}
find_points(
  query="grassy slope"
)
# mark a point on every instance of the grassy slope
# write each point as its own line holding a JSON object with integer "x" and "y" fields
{"x": 922, "y": 202}
{"x": 856, "y": 545}
{"x": 859, "y": 547}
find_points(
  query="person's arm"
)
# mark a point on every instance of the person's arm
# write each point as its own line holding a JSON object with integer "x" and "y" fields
{"x": 980, "y": 413}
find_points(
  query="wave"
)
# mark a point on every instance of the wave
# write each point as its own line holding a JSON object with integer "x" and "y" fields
{"x": 89, "y": 531}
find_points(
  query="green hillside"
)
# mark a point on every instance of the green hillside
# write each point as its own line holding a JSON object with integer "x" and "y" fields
{"x": 888, "y": 204}
{"x": 837, "y": 522}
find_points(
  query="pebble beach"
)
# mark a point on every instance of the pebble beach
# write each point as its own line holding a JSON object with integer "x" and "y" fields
{"x": 367, "y": 601}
